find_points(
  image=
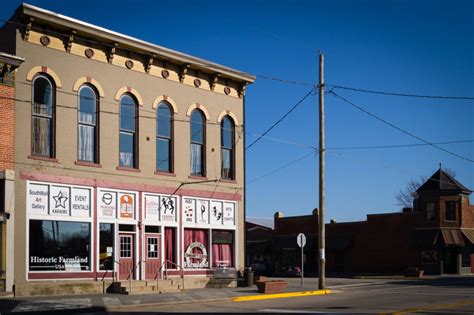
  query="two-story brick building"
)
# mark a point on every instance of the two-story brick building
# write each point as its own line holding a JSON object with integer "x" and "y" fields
{"x": 436, "y": 236}
{"x": 128, "y": 156}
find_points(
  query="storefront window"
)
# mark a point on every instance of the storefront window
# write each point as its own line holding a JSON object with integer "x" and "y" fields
{"x": 59, "y": 246}
{"x": 196, "y": 249}
{"x": 106, "y": 248}
{"x": 170, "y": 247}
{"x": 222, "y": 248}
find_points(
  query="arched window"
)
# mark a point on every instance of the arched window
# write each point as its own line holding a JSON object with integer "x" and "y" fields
{"x": 87, "y": 133}
{"x": 227, "y": 148}
{"x": 43, "y": 117}
{"x": 198, "y": 143}
{"x": 164, "y": 138}
{"x": 128, "y": 141}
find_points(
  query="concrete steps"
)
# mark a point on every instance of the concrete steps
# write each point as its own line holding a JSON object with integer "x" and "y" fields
{"x": 144, "y": 287}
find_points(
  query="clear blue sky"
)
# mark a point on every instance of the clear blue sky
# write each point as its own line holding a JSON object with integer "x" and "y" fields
{"x": 423, "y": 47}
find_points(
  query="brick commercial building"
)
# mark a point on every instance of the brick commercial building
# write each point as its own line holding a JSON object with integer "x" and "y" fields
{"x": 8, "y": 66}
{"x": 436, "y": 235}
{"x": 128, "y": 158}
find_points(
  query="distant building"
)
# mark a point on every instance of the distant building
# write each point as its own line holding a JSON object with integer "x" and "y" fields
{"x": 128, "y": 157}
{"x": 436, "y": 236}
{"x": 257, "y": 246}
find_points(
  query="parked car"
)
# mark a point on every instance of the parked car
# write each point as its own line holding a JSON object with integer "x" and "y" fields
{"x": 290, "y": 271}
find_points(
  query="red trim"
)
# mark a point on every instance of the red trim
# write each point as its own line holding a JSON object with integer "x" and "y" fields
{"x": 129, "y": 89}
{"x": 230, "y": 181}
{"x": 44, "y": 69}
{"x": 89, "y": 79}
{"x": 102, "y": 274}
{"x": 60, "y": 275}
{"x": 43, "y": 158}
{"x": 27, "y": 175}
{"x": 140, "y": 236}
{"x": 191, "y": 272}
{"x": 127, "y": 169}
{"x": 97, "y": 245}
{"x": 165, "y": 174}
{"x": 91, "y": 164}
{"x": 197, "y": 177}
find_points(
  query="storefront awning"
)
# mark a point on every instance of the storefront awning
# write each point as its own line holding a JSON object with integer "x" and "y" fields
{"x": 469, "y": 234}
{"x": 452, "y": 237}
{"x": 426, "y": 238}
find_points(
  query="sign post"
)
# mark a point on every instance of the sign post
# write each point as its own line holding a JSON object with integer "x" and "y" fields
{"x": 301, "y": 240}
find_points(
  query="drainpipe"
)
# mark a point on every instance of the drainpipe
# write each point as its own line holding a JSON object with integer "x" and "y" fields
{"x": 246, "y": 262}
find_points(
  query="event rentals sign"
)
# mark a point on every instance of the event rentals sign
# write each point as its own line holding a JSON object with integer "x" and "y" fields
{"x": 58, "y": 200}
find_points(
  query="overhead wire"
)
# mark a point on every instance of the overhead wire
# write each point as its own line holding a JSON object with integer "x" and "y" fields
{"x": 345, "y": 100}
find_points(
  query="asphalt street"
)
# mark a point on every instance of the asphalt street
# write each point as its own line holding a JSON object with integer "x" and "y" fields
{"x": 440, "y": 295}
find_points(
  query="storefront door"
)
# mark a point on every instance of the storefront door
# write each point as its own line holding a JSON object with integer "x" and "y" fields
{"x": 152, "y": 254}
{"x": 126, "y": 260}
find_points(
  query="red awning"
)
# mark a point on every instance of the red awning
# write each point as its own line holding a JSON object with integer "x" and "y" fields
{"x": 469, "y": 234}
{"x": 452, "y": 237}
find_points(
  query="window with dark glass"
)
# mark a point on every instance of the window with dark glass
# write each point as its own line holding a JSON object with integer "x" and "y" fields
{"x": 450, "y": 211}
{"x": 125, "y": 246}
{"x": 128, "y": 132}
{"x": 152, "y": 247}
{"x": 43, "y": 117}
{"x": 164, "y": 131}
{"x": 197, "y": 143}
{"x": 227, "y": 148}
{"x": 106, "y": 246}
{"x": 87, "y": 143}
{"x": 59, "y": 246}
{"x": 430, "y": 211}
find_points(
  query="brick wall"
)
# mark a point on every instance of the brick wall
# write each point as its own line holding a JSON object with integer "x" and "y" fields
{"x": 7, "y": 119}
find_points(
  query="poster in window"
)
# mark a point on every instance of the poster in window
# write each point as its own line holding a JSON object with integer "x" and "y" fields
{"x": 168, "y": 209}
{"x": 80, "y": 202}
{"x": 216, "y": 212}
{"x": 229, "y": 213}
{"x": 107, "y": 203}
{"x": 202, "y": 211}
{"x": 188, "y": 214}
{"x": 126, "y": 205}
{"x": 152, "y": 207}
{"x": 38, "y": 198}
{"x": 59, "y": 200}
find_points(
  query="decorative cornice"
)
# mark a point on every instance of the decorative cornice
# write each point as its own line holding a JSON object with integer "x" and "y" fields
{"x": 149, "y": 63}
{"x": 182, "y": 71}
{"x": 214, "y": 78}
{"x": 28, "y": 27}
{"x": 70, "y": 40}
{"x": 241, "y": 90}
{"x": 110, "y": 57}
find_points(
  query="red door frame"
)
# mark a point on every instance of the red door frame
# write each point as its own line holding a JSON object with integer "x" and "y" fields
{"x": 152, "y": 264}
{"x": 126, "y": 263}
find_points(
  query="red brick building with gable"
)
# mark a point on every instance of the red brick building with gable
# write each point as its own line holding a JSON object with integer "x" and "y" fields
{"x": 436, "y": 235}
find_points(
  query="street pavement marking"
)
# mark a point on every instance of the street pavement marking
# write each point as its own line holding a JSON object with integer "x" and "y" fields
{"x": 52, "y": 305}
{"x": 271, "y": 310}
{"x": 429, "y": 307}
{"x": 280, "y": 295}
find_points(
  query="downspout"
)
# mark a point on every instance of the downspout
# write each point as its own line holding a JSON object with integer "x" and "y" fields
{"x": 245, "y": 183}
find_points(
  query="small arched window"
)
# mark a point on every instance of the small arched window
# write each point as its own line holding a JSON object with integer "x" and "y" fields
{"x": 87, "y": 133}
{"x": 128, "y": 140}
{"x": 164, "y": 138}
{"x": 198, "y": 143}
{"x": 227, "y": 148}
{"x": 43, "y": 111}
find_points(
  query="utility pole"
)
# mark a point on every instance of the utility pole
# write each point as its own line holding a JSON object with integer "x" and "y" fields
{"x": 322, "y": 236}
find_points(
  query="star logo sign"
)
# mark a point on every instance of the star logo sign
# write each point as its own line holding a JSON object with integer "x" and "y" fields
{"x": 60, "y": 200}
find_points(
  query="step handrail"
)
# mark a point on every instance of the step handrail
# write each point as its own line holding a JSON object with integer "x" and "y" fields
{"x": 165, "y": 264}
{"x": 132, "y": 269}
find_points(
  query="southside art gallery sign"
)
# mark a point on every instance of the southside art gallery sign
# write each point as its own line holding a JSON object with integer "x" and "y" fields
{"x": 58, "y": 200}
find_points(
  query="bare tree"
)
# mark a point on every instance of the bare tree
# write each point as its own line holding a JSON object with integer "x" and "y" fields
{"x": 404, "y": 197}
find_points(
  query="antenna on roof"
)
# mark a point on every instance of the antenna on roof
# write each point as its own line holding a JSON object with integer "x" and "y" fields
{"x": 440, "y": 166}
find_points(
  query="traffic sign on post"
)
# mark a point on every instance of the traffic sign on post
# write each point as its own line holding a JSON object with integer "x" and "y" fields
{"x": 301, "y": 240}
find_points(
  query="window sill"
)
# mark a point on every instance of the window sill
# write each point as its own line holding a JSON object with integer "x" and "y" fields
{"x": 128, "y": 169}
{"x": 197, "y": 177}
{"x": 230, "y": 181}
{"x": 90, "y": 164}
{"x": 43, "y": 158}
{"x": 165, "y": 174}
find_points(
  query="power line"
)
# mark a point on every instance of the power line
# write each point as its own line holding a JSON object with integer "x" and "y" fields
{"x": 281, "y": 119}
{"x": 283, "y": 166}
{"x": 397, "y": 145}
{"x": 270, "y": 78}
{"x": 398, "y": 128}
{"x": 400, "y": 94}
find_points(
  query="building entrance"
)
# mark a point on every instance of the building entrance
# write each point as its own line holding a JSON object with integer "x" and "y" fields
{"x": 127, "y": 256}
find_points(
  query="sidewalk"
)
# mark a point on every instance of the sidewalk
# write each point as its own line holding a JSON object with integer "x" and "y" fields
{"x": 111, "y": 302}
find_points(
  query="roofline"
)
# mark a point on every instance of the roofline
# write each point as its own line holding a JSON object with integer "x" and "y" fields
{"x": 56, "y": 18}
{"x": 11, "y": 59}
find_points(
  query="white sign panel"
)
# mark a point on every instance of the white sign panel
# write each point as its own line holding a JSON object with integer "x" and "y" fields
{"x": 216, "y": 212}
{"x": 38, "y": 198}
{"x": 301, "y": 240}
{"x": 152, "y": 207}
{"x": 80, "y": 202}
{"x": 229, "y": 213}
{"x": 59, "y": 200}
{"x": 107, "y": 203}
{"x": 188, "y": 210}
{"x": 202, "y": 211}
{"x": 168, "y": 209}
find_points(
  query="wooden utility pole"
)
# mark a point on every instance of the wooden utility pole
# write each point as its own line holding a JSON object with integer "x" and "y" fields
{"x": 322, "y": 236}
